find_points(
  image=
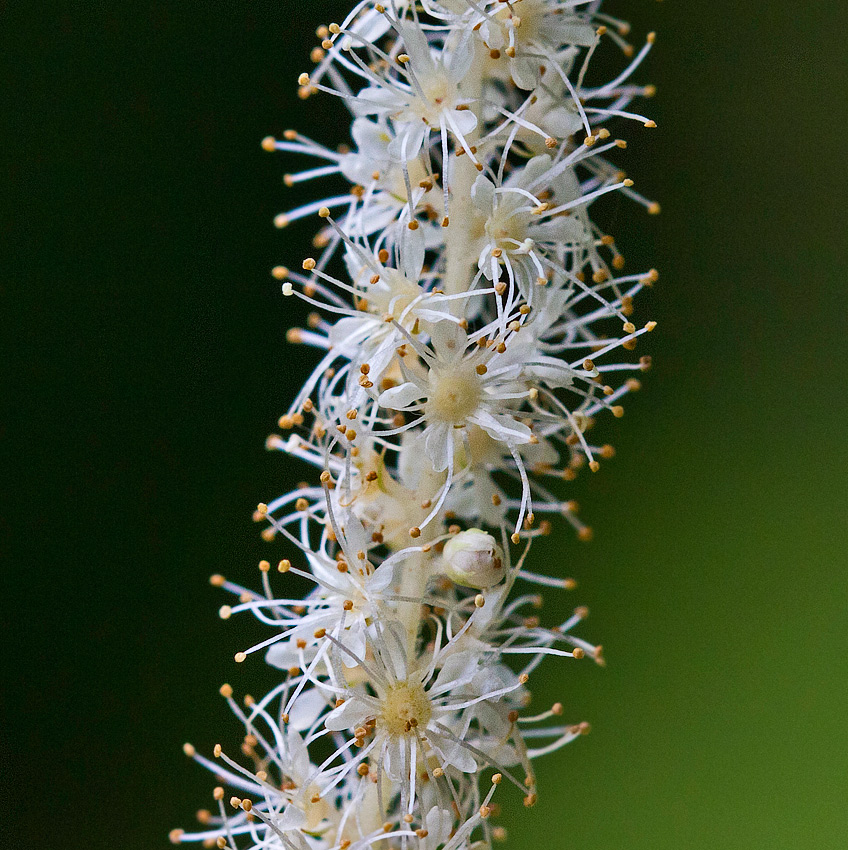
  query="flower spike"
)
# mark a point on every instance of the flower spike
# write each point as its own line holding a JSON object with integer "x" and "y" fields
{"x": 474, "y": 326}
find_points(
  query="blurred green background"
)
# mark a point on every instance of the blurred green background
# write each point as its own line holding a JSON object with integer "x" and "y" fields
{"x": 144, "y": 362}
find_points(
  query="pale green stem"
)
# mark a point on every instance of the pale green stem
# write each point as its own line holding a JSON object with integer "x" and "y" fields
{"x": 459, "y": 256}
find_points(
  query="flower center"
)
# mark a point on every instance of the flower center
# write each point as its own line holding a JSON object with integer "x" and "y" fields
{"x": 455, "y": 395}
{"x": 405, "y": 706}
{"x": 507, "y": 228}
{"x": 398, "y": 293}
{"x": 440, "y": 95}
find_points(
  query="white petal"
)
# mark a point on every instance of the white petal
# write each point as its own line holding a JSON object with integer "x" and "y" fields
{"x": 355, "y": 534}
{"x": 306, "y": 709}
{"x": 282, "y": 655}
{"x": 418, "y": 48}
{"x": 298, "y": 755}
{"x": 353, "y": 639}
{"x": 348, "y": 715}
{"x": 393, "y": 759}
{"x": 493, "y": 720}
{"x": 291, "y": 818}
{"x": 400, "y": 397}
{"x": 374, "y": 100}
{"x": 494, "y": 678}
{"x": 412, "y": 463}
{"x": 356, "y": 266}
{"x": 499, "y": 752}
{"x": 371, "y": 25}
{"x": 372, "y": 139}
{"x": 355, "y": 167}
{"x": 458, "y": 670}
{"x": 449, "y": 341}
{"x": 483, "y": 194}
{"x": 562, "y": 122}
{"x": 453, "y": 754}
{"x": 407, "y": 144}
{"x": 583, "y": 35}
{"x": 382, "y": 577}
{"x": 325, "y": 570}
{"x": 525, "y": 73}
{"x": 464, "y": 120}
{"x": 542, "y": 453}
{"x": 348, "y": 331}
{"x": 484, "y": 261}
{"x": 492, "y": 35}
{"x": 437, "y": 444}
{"x": 461, "y": 56}
{"x": 553, "y": 374}
{"x": 568, "y": 230}
{"x": 393, "y": 651}
{"x": 462, "y": 760}
{"x": 435, "y": 314}
{"x": 473, "y": 500}
{"x": 502, "y": 427}
{"x": 383, "y": 355}
{"x": 533, "y": 170}
{"x": 439, "y": 823}
{"x": 567, "y": 187}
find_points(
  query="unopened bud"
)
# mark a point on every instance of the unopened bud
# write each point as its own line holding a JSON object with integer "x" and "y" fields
{"x": 472, "y": 558}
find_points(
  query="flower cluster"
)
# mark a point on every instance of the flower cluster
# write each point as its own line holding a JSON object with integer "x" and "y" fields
{"x": 474, "y": 324}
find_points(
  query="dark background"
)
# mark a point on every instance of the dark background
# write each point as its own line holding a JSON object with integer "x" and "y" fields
{"x": 144, "y": 362}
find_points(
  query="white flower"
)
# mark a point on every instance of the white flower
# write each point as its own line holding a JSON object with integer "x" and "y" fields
{"x": 456, "y": 385}
{"x": 517, "y": 230}
{"x": 390, "y": 188}
{"x": 532, "y": 34}
{"x": 429, "y": 709}
{"x": 429, "y": 98}
{"x": 284, "y": 803}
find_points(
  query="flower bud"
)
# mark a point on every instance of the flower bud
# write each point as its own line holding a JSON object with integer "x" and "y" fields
{"x": 472, "y": 558}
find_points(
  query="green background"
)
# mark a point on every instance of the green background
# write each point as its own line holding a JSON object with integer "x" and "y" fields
{"x": 144, "y": 362}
